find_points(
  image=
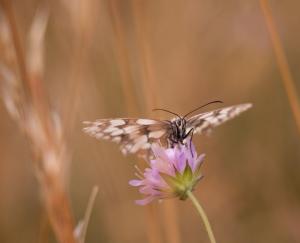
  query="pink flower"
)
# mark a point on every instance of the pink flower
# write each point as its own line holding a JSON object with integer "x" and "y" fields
{"x": 172, "y": 173}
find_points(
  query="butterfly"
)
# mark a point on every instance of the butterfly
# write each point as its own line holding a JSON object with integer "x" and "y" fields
{"x": 137, "y": 134}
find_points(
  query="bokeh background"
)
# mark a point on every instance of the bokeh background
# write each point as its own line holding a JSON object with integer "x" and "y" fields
{"x": 113, "y": 58}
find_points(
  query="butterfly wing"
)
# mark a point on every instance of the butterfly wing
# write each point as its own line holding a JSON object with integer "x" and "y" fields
{"x": 133, "y": 135}
{"x": 204, "y": 122}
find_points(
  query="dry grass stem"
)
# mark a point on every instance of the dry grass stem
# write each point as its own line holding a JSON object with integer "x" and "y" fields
{"x": 170, "y": 217}
{"x": 41, "y": 125}
{"x": 144, "y": 54}
{"x": 151, "y": 99}
{"x": 282, "y": 62}
{"x": 82, "y": 20}
{"x": 18, "y": 50}
{"x": 123, "y": 58}
{"x": 153, "y": 231}
{"x": 82, "y": 226}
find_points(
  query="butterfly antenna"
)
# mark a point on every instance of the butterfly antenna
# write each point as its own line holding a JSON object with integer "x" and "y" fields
{"x": 209, "y": 103}
{"x": 167, "y": 111}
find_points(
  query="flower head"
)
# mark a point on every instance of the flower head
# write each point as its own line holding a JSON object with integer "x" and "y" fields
{"x": 172, "y": 173}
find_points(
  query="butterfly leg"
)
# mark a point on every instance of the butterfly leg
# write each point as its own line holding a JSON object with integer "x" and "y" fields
{"x": 171, "y": 142}
{"x": 191, "y": 132}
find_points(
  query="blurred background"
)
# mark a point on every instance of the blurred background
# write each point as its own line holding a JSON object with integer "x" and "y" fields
{"x": 114, "y": 58}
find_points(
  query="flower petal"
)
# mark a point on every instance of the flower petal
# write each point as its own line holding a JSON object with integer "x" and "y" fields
{"x": 171, "y": 173}
{"x": 135, "y": 182}
{"x": 144, "y": 201}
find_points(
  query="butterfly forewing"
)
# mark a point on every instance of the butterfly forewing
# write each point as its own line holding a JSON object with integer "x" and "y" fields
{"x": 133, "y": 135}
{"x": 137, "y": 135}
{"x": 204, "y": 122}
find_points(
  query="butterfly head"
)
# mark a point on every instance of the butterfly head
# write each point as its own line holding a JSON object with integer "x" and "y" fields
{"x": 178, "y": 130}
{"x": 180, "y": 124}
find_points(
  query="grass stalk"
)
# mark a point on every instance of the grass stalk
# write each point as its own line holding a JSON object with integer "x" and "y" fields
{"x": 10, "y": 16}
{"x": 282, "y": 62}
{"x": 46, "y": 139}
{"x": 122, "y": 57}
{"x": 149, "y": 87}
{"x": 170, "y": 217}
{"x": 153, "y": 231}
{"x": 144, "y": 54}
{"x": 83, "y": 30}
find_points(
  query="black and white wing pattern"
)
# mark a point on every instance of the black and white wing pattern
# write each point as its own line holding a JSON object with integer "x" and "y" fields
{"x": 133, "y": 135}
{"x": 137, "y": 135}
{"x": 204, "y": 122}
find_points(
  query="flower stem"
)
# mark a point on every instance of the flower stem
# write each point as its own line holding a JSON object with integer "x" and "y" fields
{"x": 203, "y": 216}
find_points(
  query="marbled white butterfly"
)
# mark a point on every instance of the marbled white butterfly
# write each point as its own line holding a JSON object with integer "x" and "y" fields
{"x": 136, "y": 134}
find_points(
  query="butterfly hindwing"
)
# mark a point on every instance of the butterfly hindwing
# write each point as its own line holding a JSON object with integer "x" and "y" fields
{"x": 204, "y": 122}
{"x": 132, "y": 134}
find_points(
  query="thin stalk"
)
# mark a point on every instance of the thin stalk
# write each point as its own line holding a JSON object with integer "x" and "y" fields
{"x": 83, "y": 29}
{"x": 203, "y": 216}
{"x": 88, "y": 213}
{"x": 149, "y": 89}
{"x": 149, "y": 86}
{"x": 153, "y": 229}
{"x": 282, "y": 62}
{"x": 122, "y": 55}
{"x": 170, "y": 219}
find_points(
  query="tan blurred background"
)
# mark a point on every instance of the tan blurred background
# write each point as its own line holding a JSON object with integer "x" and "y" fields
{"x": 121, "y": 59}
